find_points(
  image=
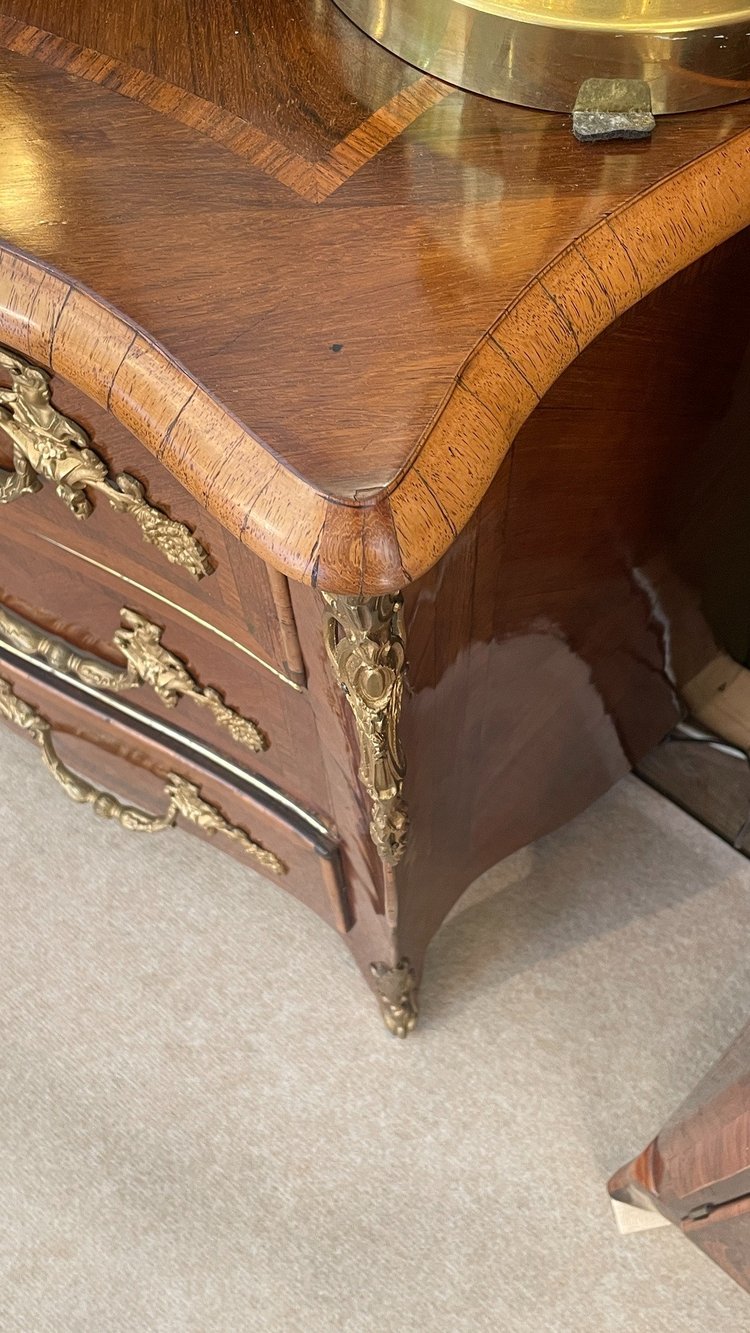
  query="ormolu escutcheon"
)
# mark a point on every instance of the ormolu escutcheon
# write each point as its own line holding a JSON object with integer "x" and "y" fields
{"x": 364, "y": 639}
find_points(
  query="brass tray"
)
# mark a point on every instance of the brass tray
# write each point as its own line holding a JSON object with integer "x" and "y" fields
{"x": 692, "y": 53}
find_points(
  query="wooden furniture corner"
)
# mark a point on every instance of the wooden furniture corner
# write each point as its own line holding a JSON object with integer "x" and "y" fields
{"x": 366, "y": 420}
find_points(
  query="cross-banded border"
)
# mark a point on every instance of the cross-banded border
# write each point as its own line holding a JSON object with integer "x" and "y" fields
{"x": 313, "y": 181}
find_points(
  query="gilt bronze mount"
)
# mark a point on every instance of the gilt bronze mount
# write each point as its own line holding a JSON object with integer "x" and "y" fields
{"x": 148, "y": 663}
{"x": 364, "y": 638}
{"x": 184, "y": 798}
{"x": 48, "y": 446}
{"x": 397, "y": 992}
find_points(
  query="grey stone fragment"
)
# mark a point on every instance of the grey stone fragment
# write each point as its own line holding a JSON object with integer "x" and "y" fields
{"x": 613, "y": 109}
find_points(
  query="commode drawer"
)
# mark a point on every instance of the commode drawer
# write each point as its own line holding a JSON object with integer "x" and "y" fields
{"x": 76, "y": 476}
{"x": 164, "y": 659}
{"x": 149, "y": 777}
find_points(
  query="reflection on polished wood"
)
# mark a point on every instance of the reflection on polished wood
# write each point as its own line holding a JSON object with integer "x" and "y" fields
{"x": 696, "y": 1172}
{"x": 181, "y": 610}
{"x": 384, "y": 340}
{"x": 310, "y": 179}
{"x": 445, "y": 204}
{"x": 692, "y": 53}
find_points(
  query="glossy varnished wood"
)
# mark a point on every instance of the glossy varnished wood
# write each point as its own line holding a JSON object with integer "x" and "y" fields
{"x": 697, "y": 1170}
{"x": 313, "y": 179}
{"x": 549, "y": 650}
{"x": 286, "y": 69}
{"x": 81, "y": 604}
{"x": 133, "y": 760}
{"x": 243, "y": 599}
{"x": 387, "y": 342}
{"x": 370, "y": 333}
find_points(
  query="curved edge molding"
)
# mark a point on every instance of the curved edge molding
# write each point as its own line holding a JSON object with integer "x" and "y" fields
{"x": 378, "y": 545}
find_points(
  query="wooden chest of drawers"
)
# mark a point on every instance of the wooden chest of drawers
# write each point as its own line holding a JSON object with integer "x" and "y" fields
{"x": 373, "y": 454}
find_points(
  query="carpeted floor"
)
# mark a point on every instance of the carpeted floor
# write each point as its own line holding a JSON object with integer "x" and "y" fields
{"x": 206, "y": 1130}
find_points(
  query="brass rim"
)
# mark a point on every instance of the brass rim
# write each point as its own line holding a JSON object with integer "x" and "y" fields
{"x": 691, "y": 54}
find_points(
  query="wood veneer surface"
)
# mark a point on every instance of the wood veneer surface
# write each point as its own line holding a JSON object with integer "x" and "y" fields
{"x": 324, "y": 238}
{"x": 549, "y": 648}
{"x": 104, "y": 749}
{"x": 699, "y": 1163}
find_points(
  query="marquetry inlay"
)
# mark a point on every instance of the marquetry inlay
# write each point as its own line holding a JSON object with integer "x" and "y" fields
{"x": 314, "y": 181}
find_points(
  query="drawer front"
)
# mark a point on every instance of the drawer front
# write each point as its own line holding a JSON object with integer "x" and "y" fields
{"x": 193, "y": 674}
{"x": 104, "y": 495}
{"x": 149, "y": 781}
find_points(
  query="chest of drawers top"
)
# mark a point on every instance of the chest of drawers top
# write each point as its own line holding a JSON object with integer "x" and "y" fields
{"x": 324, "y": 291}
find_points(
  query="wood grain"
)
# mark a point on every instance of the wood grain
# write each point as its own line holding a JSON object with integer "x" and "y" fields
{"x": 81, "y": 603}
{"x": 403, "y": 529}
{"x": 133, "y": 761}
{"x": 344, "y": 340}
{"x": 313, "y": 181}
{"x": 551, "y": 647}
{"x": 700, "y": 1163}
{"x": 243, "y": 599}
{"x": 463, "y": 355}
{"x": 301, "y": 73}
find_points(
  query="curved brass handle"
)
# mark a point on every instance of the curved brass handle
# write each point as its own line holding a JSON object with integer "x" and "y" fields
{"x": 48, "y": 445}
{"x": 149, "y": 663}
{"x": 184, "y": 797}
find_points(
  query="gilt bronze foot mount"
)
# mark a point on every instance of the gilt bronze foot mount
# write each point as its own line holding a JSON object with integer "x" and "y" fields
{"x": 397, "y": 992}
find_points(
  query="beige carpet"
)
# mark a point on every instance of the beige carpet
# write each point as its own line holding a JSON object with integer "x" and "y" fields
{"x": 205, "y": 1129}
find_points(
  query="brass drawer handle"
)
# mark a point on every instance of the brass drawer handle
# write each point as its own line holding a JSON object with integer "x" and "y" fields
{"x": 183, "y": 797}
{"x": 48, "y": 445}
{"x": 149, "y": 663}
